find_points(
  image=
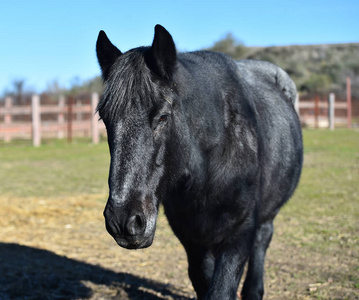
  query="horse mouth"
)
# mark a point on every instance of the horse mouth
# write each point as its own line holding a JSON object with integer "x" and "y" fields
{"x": 134, "y": 242}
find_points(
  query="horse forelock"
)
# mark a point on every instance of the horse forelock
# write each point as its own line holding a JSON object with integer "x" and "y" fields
{"x": 129, "y": 88}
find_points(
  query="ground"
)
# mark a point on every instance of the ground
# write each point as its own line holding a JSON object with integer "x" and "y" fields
{"x": 53, "y": 242}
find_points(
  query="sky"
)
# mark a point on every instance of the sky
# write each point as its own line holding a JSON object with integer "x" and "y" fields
{"x": 54, "y": 40}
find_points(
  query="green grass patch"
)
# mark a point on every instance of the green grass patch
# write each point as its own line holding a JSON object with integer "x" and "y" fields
{"x": 54, "y": 169}
{"x": 325, "y": 206}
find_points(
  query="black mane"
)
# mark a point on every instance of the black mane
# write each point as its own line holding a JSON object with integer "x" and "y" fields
{"x": 129, "y": 87}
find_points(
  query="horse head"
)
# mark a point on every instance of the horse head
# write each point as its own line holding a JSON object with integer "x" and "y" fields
{"x": 138, "y": 108}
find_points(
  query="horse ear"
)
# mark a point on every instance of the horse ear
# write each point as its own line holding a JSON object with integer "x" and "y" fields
{"x": 107, "y": 54}
{"x": 161, "y": 58}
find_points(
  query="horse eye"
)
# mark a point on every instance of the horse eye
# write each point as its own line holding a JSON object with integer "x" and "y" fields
{"x": 163, "y": 118}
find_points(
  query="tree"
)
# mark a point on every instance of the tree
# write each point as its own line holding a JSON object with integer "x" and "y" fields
{"x": 316, "y": 83}
{"x": 230, "y": 46}
{"x": 18, "y": 86}
{"x": 54, "y": 88}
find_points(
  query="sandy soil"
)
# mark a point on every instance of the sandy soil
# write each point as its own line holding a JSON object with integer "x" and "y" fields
{"x": 59, "y": 249}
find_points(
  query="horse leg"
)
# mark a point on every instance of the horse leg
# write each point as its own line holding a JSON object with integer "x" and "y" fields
{"x": 200, "y": 268}
{"x": 253, "y": 287}
{"x": 231, "y": 258}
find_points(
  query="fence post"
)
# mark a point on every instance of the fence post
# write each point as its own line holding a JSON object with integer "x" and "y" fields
{"x": 61, "y": 118}
{"x": 69, "y": 118}
{"x": 7, "y": 118}
{"x": 316, "y": 111}
{"x": 349, "y": 103}
{"x": 94, "y": 119}
{"x": 36, "y": 120}
{"x": 331, "y": 111}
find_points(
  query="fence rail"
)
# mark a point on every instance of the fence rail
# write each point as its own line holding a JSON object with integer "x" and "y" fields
{"x": 60, "y": 119}
{"x": 325, "y": 112}
{"x": 73, "y": 117}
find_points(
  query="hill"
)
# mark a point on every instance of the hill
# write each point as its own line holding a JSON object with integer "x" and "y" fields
{"x": 314, "y": 68}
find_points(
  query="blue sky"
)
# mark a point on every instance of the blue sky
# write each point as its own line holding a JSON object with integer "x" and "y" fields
{"x": 43, "y": 41}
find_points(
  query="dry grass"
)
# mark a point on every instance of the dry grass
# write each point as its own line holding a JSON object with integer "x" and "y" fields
{"x": 72, "y": 232}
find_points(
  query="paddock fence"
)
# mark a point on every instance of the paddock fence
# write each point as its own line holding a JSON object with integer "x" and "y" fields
{"x": 42, "y": 116}
{"x": 328, "y": 111}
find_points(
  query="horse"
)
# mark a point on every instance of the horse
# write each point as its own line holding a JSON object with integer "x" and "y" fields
{"x": 217, "y": 142}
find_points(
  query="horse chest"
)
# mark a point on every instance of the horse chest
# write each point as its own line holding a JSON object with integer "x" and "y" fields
{"x": 203, "y": 223}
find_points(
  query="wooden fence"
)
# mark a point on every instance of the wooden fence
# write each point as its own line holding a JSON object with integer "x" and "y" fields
{"x": 68, "y": 117}
{"x": 326, "y": 112}
{"x": 75, "y": 116}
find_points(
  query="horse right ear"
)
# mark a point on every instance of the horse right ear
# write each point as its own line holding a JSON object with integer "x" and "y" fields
{"x": 107, "y": 54}
{"x": 161, "y": 57}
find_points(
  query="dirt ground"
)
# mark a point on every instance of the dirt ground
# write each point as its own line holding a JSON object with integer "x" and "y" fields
{"x": 59, "y": 249}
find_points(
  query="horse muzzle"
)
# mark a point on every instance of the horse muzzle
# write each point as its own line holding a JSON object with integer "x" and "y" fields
{"x": 131, "y": 230}
{"x": 134, "y": 242}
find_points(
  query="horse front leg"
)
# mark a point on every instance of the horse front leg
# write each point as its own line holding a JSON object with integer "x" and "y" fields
{"x": 230, "y": 261}
{"x": 200, "y": 268}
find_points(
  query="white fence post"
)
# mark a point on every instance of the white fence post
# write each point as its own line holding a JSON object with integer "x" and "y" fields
{"x": 349, "y": 103}
{"x": 36, "y": 120}
{"x": 61, "y": 118}
{"x": 331, "y": 111}
{"x": 8, "y": 118}
{"x": 94, "y": 119}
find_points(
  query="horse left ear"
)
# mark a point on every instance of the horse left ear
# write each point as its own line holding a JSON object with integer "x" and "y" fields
{"x": 161, "y": 58}
{"x": 107, "y": 54}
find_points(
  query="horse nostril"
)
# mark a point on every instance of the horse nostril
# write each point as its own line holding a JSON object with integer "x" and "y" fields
{"x": 112, "y": 228}
{"x": 136, "y": 224}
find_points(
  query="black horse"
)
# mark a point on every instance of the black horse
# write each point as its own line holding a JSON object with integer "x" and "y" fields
{"x": 217, "y": 142}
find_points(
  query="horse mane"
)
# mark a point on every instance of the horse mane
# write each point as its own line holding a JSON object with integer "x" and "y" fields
{"x": 129, "y": 87}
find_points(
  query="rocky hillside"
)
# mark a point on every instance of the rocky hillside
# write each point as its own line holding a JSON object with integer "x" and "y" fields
{"x": 314, "y": 68}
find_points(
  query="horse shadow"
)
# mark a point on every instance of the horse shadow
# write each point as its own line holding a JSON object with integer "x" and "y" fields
{"x": 31, "y": 273}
